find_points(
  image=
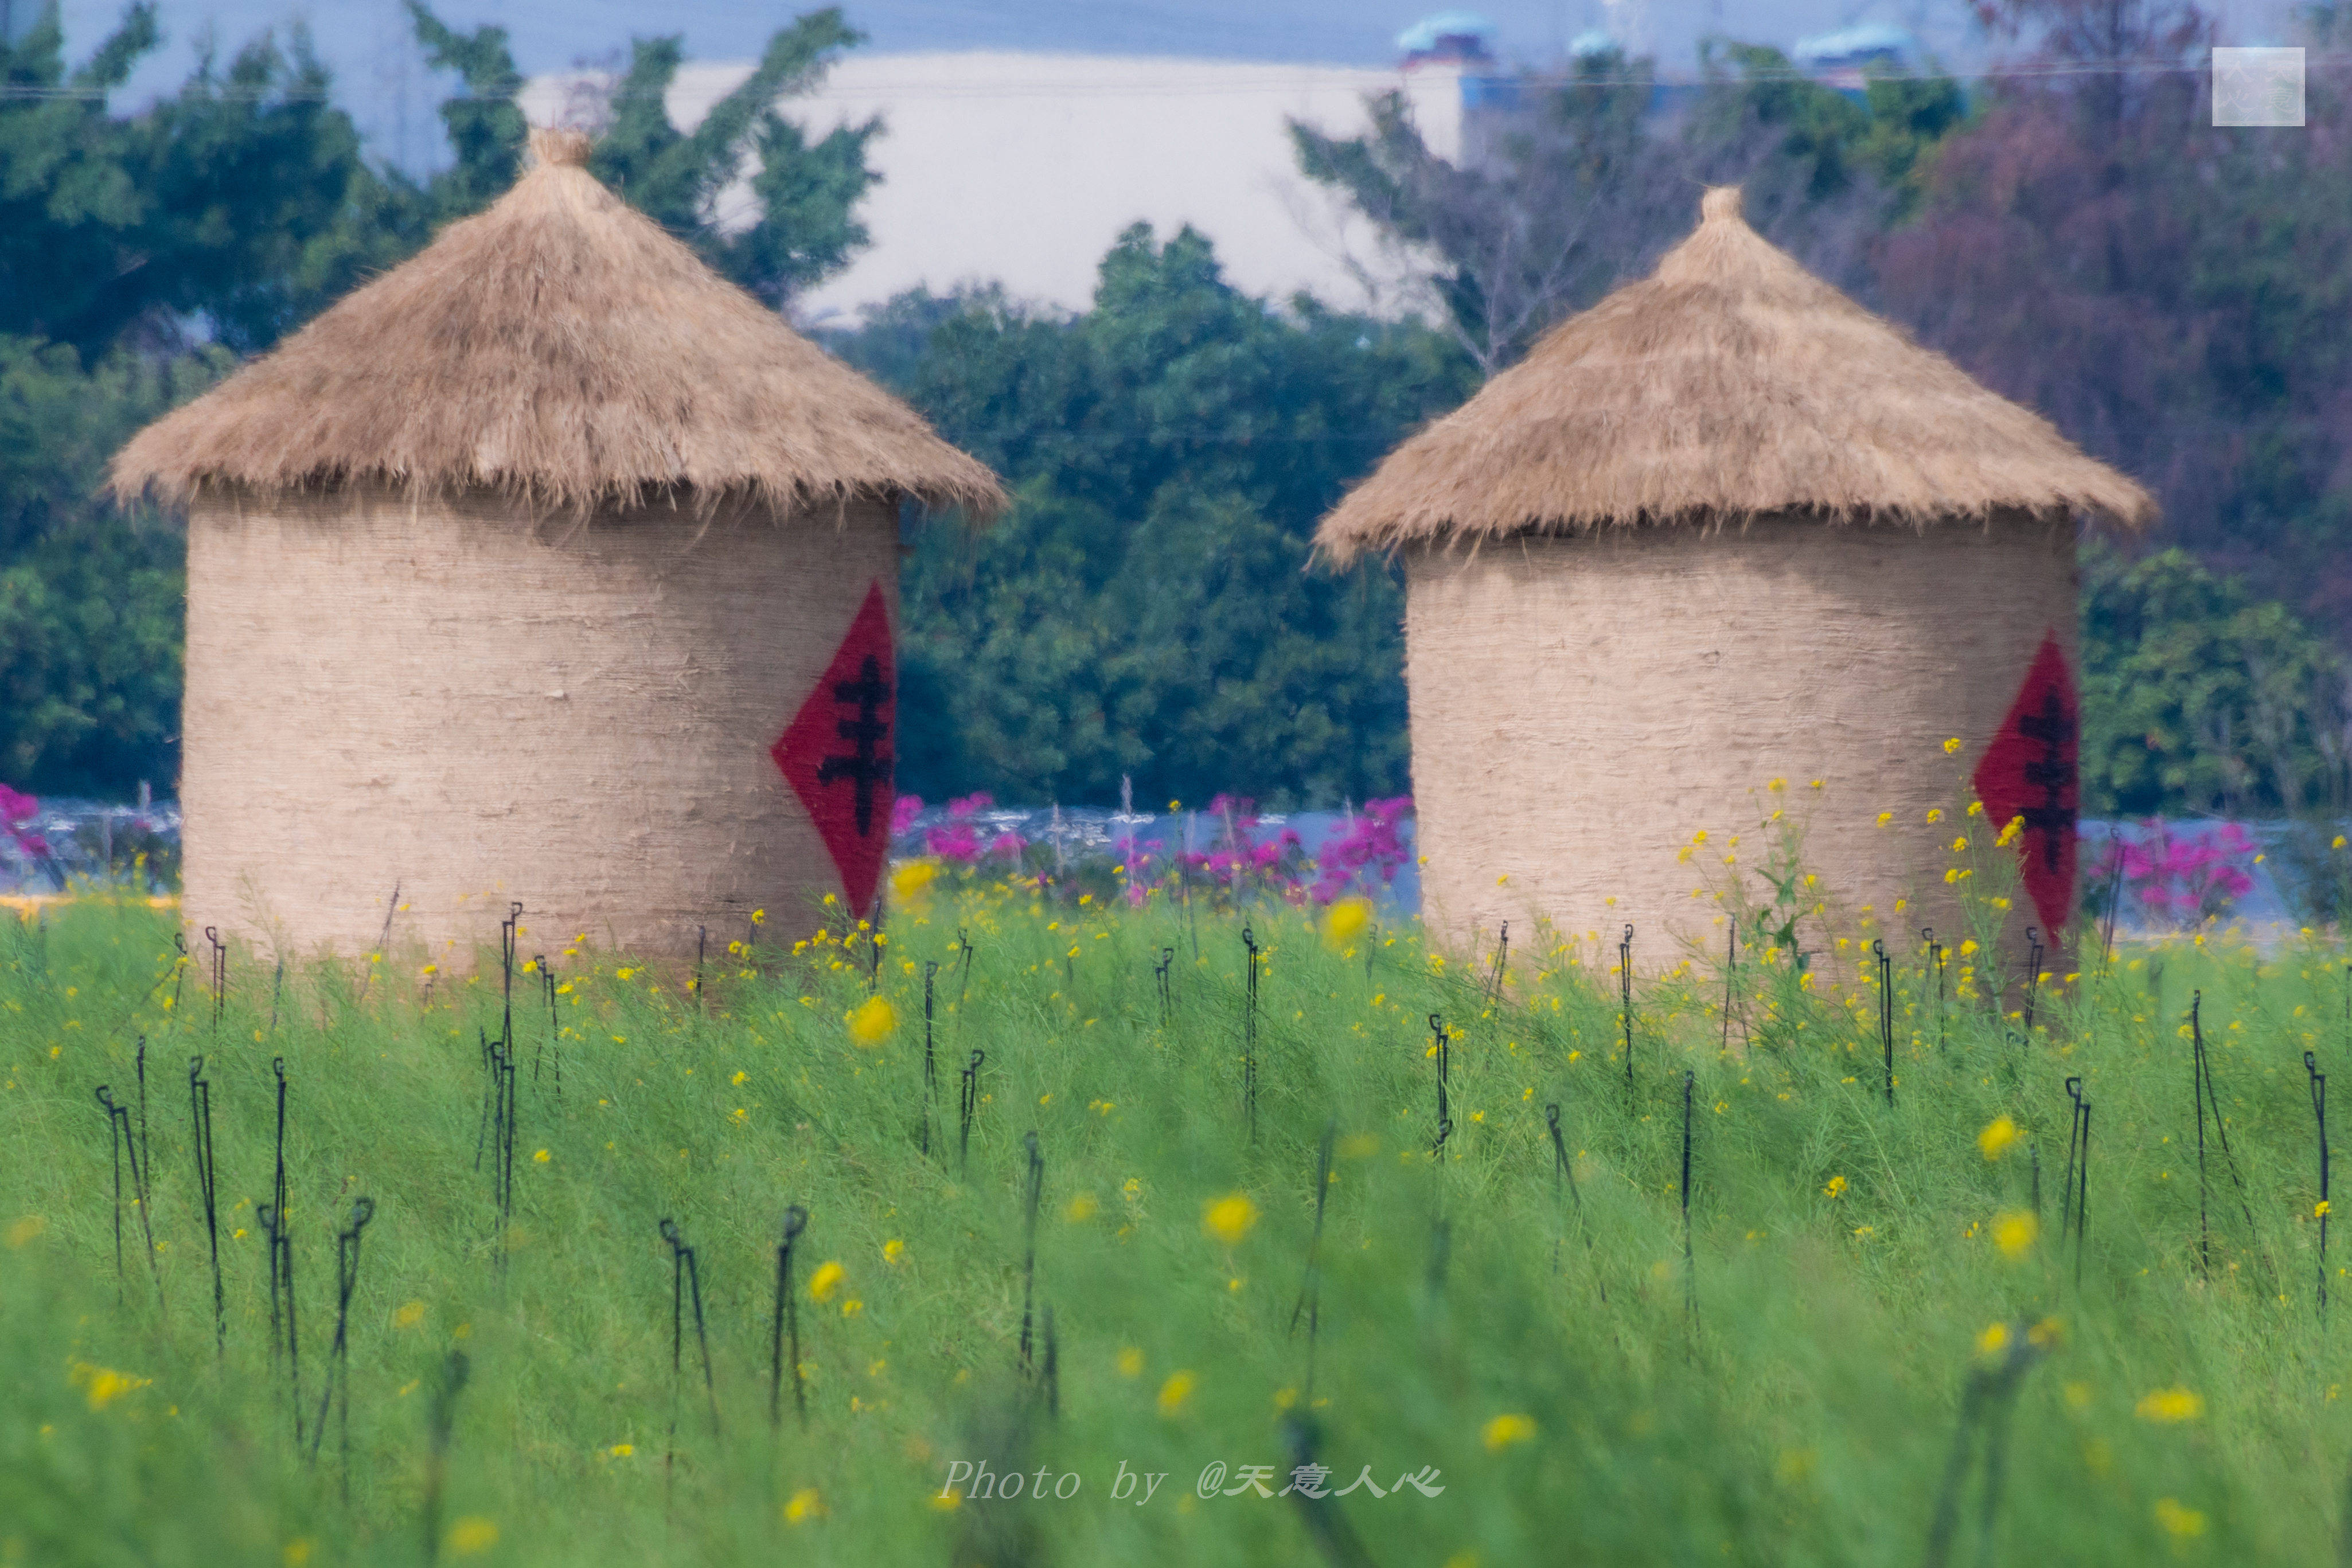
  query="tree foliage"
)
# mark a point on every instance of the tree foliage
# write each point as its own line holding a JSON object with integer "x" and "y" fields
{"x": 1587, "y": 189}
{"x": 2170, "y": 292}
{"x": 232, "y": 210}
{"x": 2201, "y": 698}
{"x": 1149, "y": 607}
{"x": 140, "y": 255}
{"x": 806, "y": 225}
{"x": 89, "y": 596}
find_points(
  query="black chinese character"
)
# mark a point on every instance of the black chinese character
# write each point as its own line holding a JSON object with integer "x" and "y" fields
{"x": 869, "y": 766}
{"x": 2052, "y": 773}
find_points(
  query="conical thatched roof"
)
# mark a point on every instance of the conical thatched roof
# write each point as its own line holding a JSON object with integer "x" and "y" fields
{"x": 1729, "y": 382}
{"x": 563, "y": 349}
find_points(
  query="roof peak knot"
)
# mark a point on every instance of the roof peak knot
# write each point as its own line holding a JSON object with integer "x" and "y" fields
{"x": 559, "y": 148}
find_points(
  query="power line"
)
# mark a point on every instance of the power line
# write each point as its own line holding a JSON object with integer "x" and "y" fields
{"x": 1257, "y": 81}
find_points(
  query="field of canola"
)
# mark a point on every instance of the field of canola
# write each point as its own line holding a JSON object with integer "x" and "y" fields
{"x": 1794, "y": 1324}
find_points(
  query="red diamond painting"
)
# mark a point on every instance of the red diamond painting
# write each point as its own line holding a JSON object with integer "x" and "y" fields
{"x": 836, "y": 752}
{"x": 2029, "y": 772}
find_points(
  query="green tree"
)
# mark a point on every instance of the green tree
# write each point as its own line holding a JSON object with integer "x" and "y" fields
{"x": 2201, "y": 699}
{"x": 140, "y": 254}
{"x": 803, "y": 227}
{"x": 807, "y": 227}
{"x": 1587, "y": 189}
{"x": 232, "y": 210}
{"x": 1562, "y": 207}
{"x": 484, "y": 124}
{"x": 90, "y": 597}
{"x": 1148, "y": 606}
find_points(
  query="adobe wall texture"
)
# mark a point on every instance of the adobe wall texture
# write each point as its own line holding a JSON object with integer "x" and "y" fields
{"x": 1581, "y": 707}
{"x": 447, "y": 697}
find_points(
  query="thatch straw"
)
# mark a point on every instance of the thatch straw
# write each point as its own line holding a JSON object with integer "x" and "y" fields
{"x": 1730, "y": 382}
{"x": 563, "y": 350}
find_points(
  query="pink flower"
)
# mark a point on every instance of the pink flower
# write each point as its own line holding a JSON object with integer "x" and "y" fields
{"x": 903, "y": 812}
{"x": 2187, "y": 878}
{"x": 16, "y": 809}
{"x": 956, "y": 842}
{"x": 1372, "y": 844}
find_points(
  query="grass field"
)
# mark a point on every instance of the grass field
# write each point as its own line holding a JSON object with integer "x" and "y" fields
{"x": 1861, "y": 1279}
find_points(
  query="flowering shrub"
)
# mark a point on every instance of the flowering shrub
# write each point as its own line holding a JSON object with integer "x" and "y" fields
{"x": 23, "y": 851}
{"x": 1225, "y": 855}
{"x": 2180, "y": 878}
{"x": 1373, "y": 844}
{"x": 17, "y": 810}
{"x": 904, "y": 809}
{"x": 1239, "y": 863}
{"x": 957, "y": 843}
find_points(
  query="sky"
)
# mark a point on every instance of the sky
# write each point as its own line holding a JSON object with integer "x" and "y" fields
{"x": 382, "y": 77}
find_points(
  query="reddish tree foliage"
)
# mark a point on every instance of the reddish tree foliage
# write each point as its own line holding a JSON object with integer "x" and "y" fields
{"x": 2171, "y": 293}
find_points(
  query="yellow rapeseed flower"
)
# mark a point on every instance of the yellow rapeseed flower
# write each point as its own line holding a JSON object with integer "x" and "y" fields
{"x": 1082, "y": 1207}
{"x": 806, "y": 1504}
{"x": 1346, "y": 921}
{"x": 408, "y": 1314}
{"x": 2170, "y": 1406}
{"x": 914, "y": 878}
{"x": 826, "y": 1280}
{"x": 2015, "y": 1232}
{"x": 470, "y": 1535}
{"x": 1951, "y": 745}
{"x": 104, "y": 1386}
{"x": 1998, "y": 1135}
{"x": 1229, "y": 1218}
{"x": 872, "y": 1021}
{"x": 893, "y": 1250}
{"x": 1505, "y": 1430}
{"x": 1993, "y": 1341}
{"x": 2178, "y": 1522}
{"x": 1130, "y": 1361}
{"x": 1176, "y": 1392}
{"x": 1836, "y": 1188}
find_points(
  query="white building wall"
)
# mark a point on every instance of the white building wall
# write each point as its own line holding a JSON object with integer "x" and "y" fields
{"x": 1023, "y": 168}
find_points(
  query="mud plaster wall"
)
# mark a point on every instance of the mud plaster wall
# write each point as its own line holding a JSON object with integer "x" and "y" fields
{"x": 445, "y": 697}
{"x": 1580, "y": 707}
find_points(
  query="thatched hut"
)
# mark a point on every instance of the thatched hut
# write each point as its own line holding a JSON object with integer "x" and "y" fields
{"x": 1726, "y": 527}
{"x": 548, "y": 567}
